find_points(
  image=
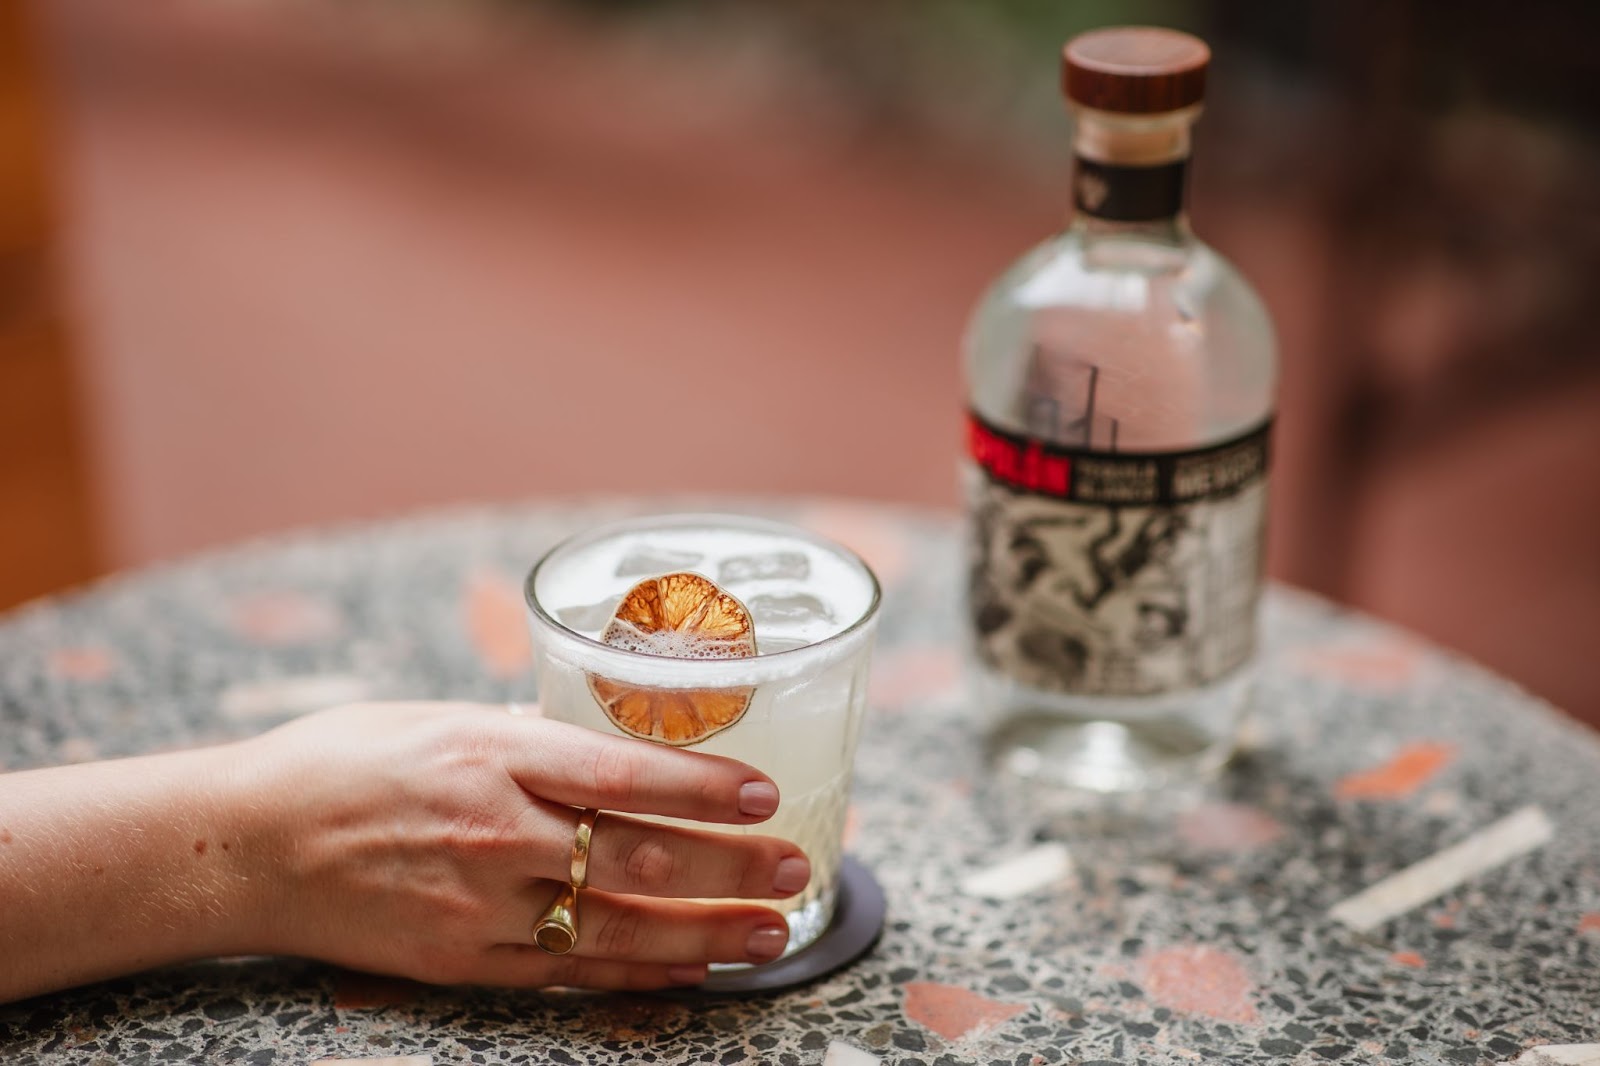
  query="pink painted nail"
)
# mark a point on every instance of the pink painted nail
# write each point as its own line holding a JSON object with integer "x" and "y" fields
{"x": 793, "y": 874}
{"x": 758, "y": 799}
{"x": 767, "y": 942}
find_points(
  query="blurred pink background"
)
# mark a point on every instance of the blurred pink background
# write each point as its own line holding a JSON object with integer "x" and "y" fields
{"x": 315, "y": 262}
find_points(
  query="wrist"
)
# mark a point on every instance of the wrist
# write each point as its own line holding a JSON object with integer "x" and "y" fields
{"x": 243, "y": 851}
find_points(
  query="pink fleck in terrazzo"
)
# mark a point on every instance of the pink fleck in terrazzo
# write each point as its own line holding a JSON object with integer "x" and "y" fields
{"x": 1376, "y": 667}
{"x": 281, "y": 617}
{"x": 1228, "y": 828}
{"x": 1197, "y": 979}
{"x": 1400, "y": 776}
{"x": 493, "y": 613}
{"x": 82, "y": 664}
{"x": 954, "y": 1012}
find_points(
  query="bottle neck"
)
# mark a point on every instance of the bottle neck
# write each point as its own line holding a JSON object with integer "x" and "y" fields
{"x": 1129, "y": 178}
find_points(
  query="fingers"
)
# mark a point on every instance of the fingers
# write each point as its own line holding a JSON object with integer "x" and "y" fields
{"x": 583, "y": 768}
{"x": 645, "y": 859}
{"x": 522, "y": 966}
{"x": 668, "y": 932}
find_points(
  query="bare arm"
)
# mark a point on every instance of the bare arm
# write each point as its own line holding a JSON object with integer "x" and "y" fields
{"x": 416, "y": 839}
{"x": 118, "y": 866}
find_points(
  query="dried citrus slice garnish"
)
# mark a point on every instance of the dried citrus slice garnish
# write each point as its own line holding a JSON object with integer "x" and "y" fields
{"x": 681, "y": 616}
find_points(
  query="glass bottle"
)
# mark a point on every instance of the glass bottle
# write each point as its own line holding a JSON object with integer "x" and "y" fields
{"x": 1120, "y": 384}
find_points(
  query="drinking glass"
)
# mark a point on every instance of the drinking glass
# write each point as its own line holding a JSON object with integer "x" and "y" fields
{"x": 814, "y": 608}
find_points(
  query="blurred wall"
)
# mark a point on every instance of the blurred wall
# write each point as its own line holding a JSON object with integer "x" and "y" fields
{"x": 46, "y": 535}
{"x": 333, "y": 261}
{"x": 320, "y": 281}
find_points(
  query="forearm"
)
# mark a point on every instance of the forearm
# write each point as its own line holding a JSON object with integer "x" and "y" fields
{"x": 113, "y": 867}
{"x": 409, "y": 838}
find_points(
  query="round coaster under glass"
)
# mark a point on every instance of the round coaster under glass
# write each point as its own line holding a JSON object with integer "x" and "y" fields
{"x": 858, "y": 917}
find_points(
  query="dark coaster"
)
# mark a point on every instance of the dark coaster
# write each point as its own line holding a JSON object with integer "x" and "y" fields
{"x": 857, "y": 921}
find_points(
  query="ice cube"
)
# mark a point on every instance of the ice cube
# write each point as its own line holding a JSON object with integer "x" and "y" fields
{"x": 772, "y": 566}
{"x": 769, "y": 609}
{"x": 588, "y": 617}
{"x": 645, "y": 561}
{"x": 774, "y": 645}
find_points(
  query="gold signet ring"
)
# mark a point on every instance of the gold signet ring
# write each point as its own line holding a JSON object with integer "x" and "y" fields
{"x": 556, "y": 932}
{"x": 580, "y": 847}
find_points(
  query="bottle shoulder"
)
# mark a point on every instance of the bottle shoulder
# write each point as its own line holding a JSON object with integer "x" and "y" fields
{"x": 1066, "y": 271}
{"x": 1166, "y": 339}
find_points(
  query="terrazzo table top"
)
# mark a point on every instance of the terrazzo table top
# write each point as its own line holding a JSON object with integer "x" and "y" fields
{"x": 1197, "y": 929}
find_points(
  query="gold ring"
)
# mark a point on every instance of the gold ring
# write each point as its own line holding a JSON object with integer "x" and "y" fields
{"x": 580, "y": 847}
{"x": 556, "y": 932}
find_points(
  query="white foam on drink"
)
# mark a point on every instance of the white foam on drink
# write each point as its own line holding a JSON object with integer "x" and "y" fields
{"x": 673, "y": 643}
{"x": 586, "y": 573}
{"x": 589, "y": 574}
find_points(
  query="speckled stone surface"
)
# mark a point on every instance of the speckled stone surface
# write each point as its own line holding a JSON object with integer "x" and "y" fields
{"x": 1193, "y": 929}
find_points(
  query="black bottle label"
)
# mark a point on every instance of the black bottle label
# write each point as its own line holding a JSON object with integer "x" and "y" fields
{"x": 1120, "y": 193}
{"x": 1100, "y": 573}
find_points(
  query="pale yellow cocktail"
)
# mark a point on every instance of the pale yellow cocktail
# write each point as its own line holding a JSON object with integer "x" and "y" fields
{"x": 814, "y": 609}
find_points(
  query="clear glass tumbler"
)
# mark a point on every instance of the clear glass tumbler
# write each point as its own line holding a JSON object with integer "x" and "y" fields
{"x": 814, "y": 607}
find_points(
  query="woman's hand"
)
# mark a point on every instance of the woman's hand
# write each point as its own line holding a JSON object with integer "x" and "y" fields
{"x": 426, "y": 840}
{"x": 417, "y": 839}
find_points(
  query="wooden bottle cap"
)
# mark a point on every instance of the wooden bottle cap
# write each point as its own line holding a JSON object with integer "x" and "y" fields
{"x": 1135, "y": 70}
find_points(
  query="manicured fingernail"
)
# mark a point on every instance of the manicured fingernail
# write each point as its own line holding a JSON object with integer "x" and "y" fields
{"x": 758, "y": 799}
{"x": 686, "y": 975}
{"x": 793, "y": 874}
{"x": 767, "y": 942}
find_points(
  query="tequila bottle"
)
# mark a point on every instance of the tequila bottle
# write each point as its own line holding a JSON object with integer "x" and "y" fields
{"x": 1120, "y": 382}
